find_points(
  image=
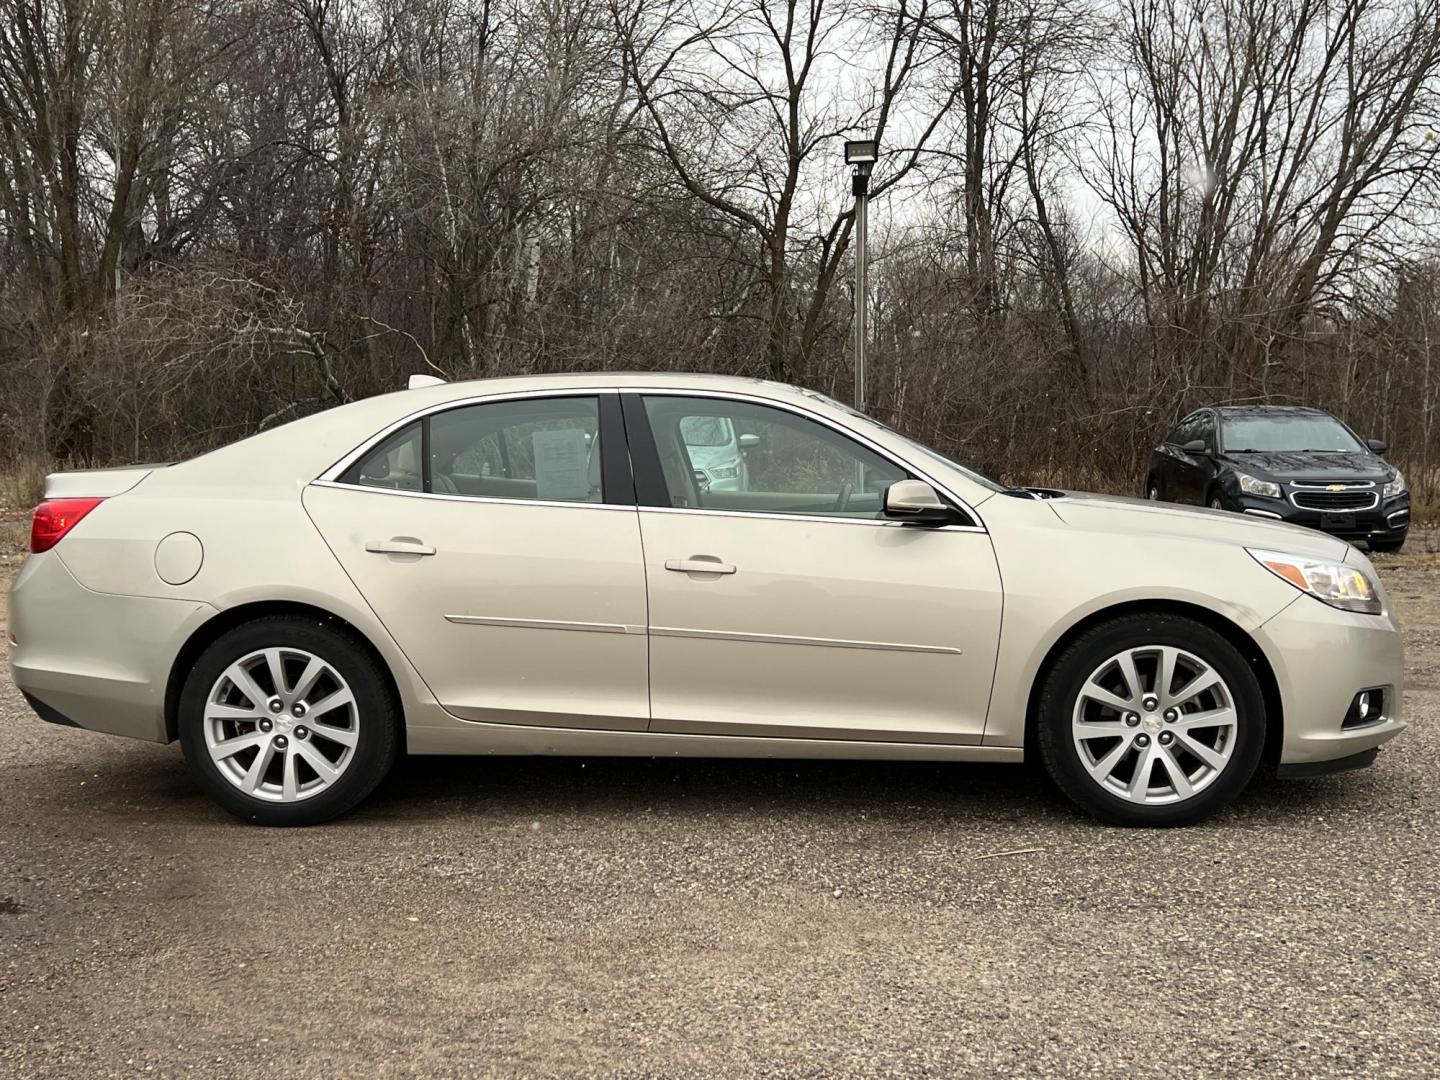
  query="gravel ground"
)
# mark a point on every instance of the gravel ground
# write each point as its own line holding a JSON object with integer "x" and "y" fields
{"x": 653, "y": 918}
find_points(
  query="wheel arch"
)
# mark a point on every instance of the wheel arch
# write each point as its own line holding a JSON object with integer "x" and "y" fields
{"x": 213, "y": 629}
{"x": 1231, "y": 631}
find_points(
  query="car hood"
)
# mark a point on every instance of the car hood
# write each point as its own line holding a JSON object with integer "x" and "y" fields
{"x": 1296, "y": 465}
{"x": 1110, "y": 513}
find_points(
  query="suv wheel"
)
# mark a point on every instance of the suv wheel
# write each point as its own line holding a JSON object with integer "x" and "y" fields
{"x": 1151, "y": 720}
{"x": 287, "y": 721}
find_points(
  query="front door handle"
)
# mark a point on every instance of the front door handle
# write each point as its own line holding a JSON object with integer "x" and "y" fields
{"x": 399, "y": 545}
{"x": 699, "y": 564}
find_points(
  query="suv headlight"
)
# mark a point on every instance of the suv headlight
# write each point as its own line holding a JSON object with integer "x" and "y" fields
{"x": 1337, "y": 584}
{"x": 1396, "y": 487}
{"x": 1252, "y": 486}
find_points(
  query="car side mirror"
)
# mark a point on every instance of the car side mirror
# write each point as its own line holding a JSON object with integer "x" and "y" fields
{"x": 1377, "y": 445}
{"x": 915, "y": 500}
{"x": 749, "y": 442}
{"x": 1196, "y": 446}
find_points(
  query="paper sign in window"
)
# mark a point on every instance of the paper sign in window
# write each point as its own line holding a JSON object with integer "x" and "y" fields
{"x": 561, "y": 464}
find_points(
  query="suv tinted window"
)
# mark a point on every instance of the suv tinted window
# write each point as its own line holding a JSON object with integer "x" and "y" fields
{"x": 1184, "y": 431}
{"x": 1205, "y": 430}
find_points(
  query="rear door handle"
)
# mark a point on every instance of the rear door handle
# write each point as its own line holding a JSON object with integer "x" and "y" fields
{"x": 699, "y": 564}
{"x": 399, "y": 545}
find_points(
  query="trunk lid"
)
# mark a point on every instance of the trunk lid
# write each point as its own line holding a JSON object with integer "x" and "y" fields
{"x": 96, "y": 483}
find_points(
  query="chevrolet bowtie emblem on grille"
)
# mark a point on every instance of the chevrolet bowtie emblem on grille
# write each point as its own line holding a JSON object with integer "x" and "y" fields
{"x": 1336, "y": 487}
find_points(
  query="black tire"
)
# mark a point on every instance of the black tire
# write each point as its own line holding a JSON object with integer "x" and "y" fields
{"x": 1068, "y": 673}
{"x": 378, "y": 727}
{"x": 1391, "y": 545}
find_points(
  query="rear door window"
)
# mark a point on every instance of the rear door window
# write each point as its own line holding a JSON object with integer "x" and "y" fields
{"x": 545, "y": 449}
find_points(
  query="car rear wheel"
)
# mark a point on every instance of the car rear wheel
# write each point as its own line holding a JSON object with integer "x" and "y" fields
{"x": 288, "y": 721}
{"x": 1151, "y": 719}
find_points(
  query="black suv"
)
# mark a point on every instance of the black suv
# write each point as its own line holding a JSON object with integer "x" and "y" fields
{"x": 1278, "y": 461}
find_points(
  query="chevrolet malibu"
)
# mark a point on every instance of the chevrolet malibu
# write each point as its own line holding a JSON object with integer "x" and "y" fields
{"x": 534, "y": 566}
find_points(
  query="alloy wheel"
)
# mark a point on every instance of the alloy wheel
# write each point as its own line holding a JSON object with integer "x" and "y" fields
{"x": 281, "y": 724}
{"x": 1155, "y": 725}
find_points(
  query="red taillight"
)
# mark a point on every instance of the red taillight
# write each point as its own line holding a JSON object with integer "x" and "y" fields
{"x": 56, "y": 517}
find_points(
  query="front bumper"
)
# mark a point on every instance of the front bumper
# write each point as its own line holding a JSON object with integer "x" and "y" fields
{"x": 98, "y": 661}
{"x": 1386, "y": 521}
{"x": 1322, "y": 657}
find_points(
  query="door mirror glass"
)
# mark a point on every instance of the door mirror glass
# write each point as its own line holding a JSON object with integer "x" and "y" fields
{"x": 1196, "y": 446}
{"x": 1376, "y": 445}
{"x": 915, "y": 500}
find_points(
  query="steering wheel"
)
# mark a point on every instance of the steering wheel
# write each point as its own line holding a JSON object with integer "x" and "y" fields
{"x": 842, "y": 501}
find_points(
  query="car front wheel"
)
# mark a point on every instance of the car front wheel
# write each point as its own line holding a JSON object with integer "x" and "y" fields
{"x": 1151, "y": 720}
{"x": 1389, "y": 545}
{"x": 288, "y": 721}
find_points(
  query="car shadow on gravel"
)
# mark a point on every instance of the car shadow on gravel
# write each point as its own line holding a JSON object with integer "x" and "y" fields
{"x": 704, "y": 785}
{"x": 147, "y": 780}
{"x": 422, "y": 787}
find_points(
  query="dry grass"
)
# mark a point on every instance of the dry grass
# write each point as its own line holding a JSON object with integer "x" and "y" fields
{"x": 22, "y": 484}
{"x": 21, "y": 487}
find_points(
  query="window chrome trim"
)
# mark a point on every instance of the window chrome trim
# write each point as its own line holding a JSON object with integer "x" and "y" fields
{"x": 807, "y": 414}
{"x": 330, "y": 477}
{"x": 446, "y": 497}
{"x": 821, "y": 519}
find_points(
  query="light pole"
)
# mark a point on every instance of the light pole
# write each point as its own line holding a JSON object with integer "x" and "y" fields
{"x": 860, "y": 155}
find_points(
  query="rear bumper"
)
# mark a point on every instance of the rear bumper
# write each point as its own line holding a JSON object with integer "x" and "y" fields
{"x": 1322, "y": 657}
{"x": 98, "y": 661}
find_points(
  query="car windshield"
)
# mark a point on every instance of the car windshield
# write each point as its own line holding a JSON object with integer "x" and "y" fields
{"x": 1280, "y": 433}
{"x": 705, "y": 430}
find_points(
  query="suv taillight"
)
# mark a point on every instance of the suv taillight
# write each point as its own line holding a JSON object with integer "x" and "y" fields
{"x": 56, "y": 517}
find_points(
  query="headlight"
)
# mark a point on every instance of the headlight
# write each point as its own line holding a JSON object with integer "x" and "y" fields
{"x": 1251, "y": 486}
{"x": 1397, "y": 486}
{"x": 1337, "y": 584}
{"x": 725, "y": 472}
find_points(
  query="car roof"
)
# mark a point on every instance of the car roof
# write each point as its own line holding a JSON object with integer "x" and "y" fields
{"x": 310, "y": 444}
{"x": 1259, "y": 411}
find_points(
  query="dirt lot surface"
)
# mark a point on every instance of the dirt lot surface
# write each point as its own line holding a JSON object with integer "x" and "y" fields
{"x": 728, "y": 919}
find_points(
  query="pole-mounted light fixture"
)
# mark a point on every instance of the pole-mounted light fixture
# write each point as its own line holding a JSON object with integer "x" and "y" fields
{"x": 860, "y": 155}
{"x": 862, "y": 152}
